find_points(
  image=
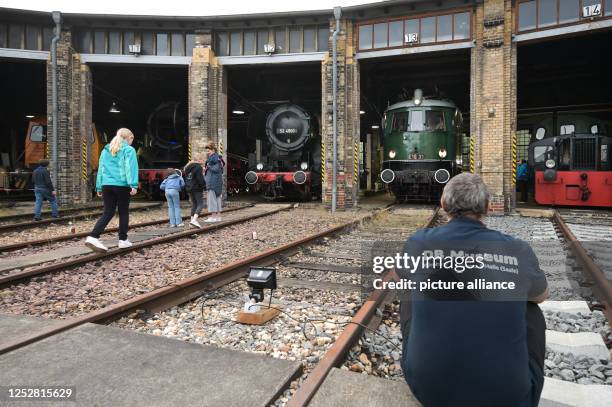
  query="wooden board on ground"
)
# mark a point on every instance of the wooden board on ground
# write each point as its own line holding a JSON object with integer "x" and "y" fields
{"x": 257, "y": 318}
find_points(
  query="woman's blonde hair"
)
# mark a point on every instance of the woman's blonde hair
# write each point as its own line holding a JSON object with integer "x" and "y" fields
{"x": 212, "y": 146}
{"x": 122, "y": 134}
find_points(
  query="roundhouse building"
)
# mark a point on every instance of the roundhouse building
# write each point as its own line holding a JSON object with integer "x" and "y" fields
{"x": 500, "y": 61}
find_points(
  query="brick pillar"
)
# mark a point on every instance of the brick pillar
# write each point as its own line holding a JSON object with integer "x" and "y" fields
{"x": 207, "y": 98}
{"x": 347, "y": 118}
{"x": 74, "y": 124}
{"x": 493, "y": 100}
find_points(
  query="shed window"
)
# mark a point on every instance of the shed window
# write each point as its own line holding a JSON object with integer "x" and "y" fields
{"x": 262, "y": 40}
{"x": 3, "y": 36}
{"x": 411, "y": 27}
{"x": 294, "y": 41}
{"x": 222, "y": 44}
{"x": 249, "y": 43}
{"x": 280, "y": 40}
{"x": 162, "y": 44}
{"x": 114, "y": 42}
{"x": 461, "y": 26}
{"x": 322, "y": 41}
{"x": 547, "y": 12}
{"x": 235, "y": 43}
{"x": 568, "y": 11}
{"x": 380, "y": 35}
{"x": 39, "y": 133}
{"x": 396, "y": 33}
{"x": 527, "y": 15}
{"x": 567, "y": 129}
{"x": 609, "y": 8}
{"x": 309, "y": 39}
{"x": 365, "y": 37}
{"x": 147, "y": 44}
{"x": 99, "y": 42}
{"x": 444, "y": 28}
{"x": 47, "y": 36}
{"x": 84, "y": 41}
{"x": 31, "y": 38}
{"x": 428, "y": 29}
{"x": 15, "y": 36}
{"x": 189, "y": 44}
{"x": 178, "y": 44}
{"x": 128, "y": 39}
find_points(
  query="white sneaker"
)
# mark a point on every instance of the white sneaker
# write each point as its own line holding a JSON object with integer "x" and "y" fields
{"x": 210, "y": 220}
{"x": 195, "y": 223}
{"x": 180, "y": 225}
{"x": 218, "y": 219}
{"x": 124, "y": 244}
{"x": 172, "y": 226}
{"x": 95, "y": 244}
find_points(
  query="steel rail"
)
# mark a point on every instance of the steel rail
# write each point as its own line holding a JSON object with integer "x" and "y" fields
{"x": 603, "y": 287}
{"x": 38, "y": 242}
{"x": 34, "y": 224}
{"x": 182, "y": 291}
{"x": 13, "y": 278}
{"x": 60, "y": 211}
{"x": 349, "y": 336}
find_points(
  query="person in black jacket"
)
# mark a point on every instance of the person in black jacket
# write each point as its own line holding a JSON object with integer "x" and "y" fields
{"x": 43, "y": 189}
{"x": 195, "y": 185}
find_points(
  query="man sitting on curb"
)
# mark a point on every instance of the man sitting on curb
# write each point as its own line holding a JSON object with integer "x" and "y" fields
{"x": 474, "y": 347}
{"x": 43, "y": 189}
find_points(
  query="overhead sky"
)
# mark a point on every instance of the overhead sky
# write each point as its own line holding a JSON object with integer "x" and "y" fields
{"x": 177, "y": 7}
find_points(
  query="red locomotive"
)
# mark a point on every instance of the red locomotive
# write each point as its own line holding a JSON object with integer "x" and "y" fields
{"x": 573, "y": 167}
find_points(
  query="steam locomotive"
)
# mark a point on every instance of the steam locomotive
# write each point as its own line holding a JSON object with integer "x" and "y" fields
{"x": 422, "y": 147}
{"x": 570, "y": 155}
{"x": 288, "y": 164}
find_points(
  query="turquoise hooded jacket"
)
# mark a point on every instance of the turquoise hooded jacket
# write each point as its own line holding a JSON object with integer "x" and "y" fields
{"x": 120, "y": 170}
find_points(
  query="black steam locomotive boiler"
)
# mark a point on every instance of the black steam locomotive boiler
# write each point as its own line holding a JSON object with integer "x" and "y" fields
{"x": 287, "y": 164}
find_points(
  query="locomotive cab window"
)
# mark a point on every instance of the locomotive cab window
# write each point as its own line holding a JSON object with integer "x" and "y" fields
{"x": 434, "y": 120}
{"x": 400, "y": 122}
{"x": 539, "y": 153}
{"x": 39, "y": 133}
{"x": 567, "y": 129}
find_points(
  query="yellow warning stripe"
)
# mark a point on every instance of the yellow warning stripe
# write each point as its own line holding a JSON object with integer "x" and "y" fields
{"x": 514, "y": 158}
{"x": 322, "y": 160}
{"x": 472, "y": 155}
{"x": 356, "y": 160}
{"x": 220, "y": 146}
{"x": 84, "y": 163}
{"x": 188, "y": 151}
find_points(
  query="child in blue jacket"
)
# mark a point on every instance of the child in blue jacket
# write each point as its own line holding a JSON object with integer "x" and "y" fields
{"x": 172, "y": 185}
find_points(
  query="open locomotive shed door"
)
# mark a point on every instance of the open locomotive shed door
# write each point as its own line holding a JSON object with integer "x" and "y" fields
{"x": 564, "y": 89}
{"x": 23, "y": 122}
{"x": 152, "y": 101}
{"x": 442, "y": 75}
{"x": 274, "y": 113}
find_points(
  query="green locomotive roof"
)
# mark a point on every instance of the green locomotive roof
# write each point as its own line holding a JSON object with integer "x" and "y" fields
{"x": 425, "y": 102}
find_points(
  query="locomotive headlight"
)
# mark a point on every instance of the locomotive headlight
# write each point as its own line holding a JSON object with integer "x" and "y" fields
{"x": 304, "y": 166}
{"x": 442, "y": 153}
{"x": 259, "y": 167}
{"x": 550, "y": 163}
{"x": 391, "y": 154}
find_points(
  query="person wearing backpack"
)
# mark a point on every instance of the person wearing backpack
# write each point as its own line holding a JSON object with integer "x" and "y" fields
{"x": 194, "y": 185}
{"x": 172, "y": 186}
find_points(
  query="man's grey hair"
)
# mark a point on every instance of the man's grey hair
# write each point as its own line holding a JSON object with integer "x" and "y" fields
{"x": 465, "y": 194}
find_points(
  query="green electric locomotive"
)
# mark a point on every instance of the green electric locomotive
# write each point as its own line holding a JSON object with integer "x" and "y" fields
{"x": 422, "y": 147}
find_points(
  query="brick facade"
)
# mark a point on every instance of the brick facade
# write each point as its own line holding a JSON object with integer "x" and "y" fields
{"x": 74, "y": 179}
{"x": 348, "y": 122}
{"x": 493, "y": 99}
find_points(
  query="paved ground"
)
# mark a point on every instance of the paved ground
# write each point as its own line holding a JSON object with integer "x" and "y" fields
{"x": 114, "y": 367}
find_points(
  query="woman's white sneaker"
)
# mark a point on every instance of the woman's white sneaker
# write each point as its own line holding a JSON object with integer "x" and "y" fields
{"x": 124, "y": 244}
{"x": 195, "y": 223}
{"x": 95, "y": 244}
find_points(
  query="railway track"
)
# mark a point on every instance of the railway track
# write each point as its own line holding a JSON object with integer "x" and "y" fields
{"x": 87, "y": 214}
{"x": 70, "y": 236}
{"x": 16, "y": 277}
{"x": 186, "y": 289}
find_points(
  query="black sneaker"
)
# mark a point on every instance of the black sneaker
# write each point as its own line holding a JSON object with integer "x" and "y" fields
{"x": 37, "y": 219}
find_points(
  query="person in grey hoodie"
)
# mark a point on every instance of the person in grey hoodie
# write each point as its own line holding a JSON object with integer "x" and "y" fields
{"x": 172, "y": 185}
{"x": 213, "y": 174}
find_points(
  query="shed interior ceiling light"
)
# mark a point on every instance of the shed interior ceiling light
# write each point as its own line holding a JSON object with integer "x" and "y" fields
{"x": 238, "y": 111}
{"x": 375, "y": 126}
{"x": 114, "y": 108}
{"x": 29, "y": 116}
{"x": 362, "y": 112}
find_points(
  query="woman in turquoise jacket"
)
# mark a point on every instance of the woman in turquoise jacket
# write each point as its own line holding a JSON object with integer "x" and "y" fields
{"x": 117, "y": 180}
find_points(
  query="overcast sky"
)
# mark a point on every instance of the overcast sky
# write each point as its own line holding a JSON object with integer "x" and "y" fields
{"x": 177, "y": 7}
